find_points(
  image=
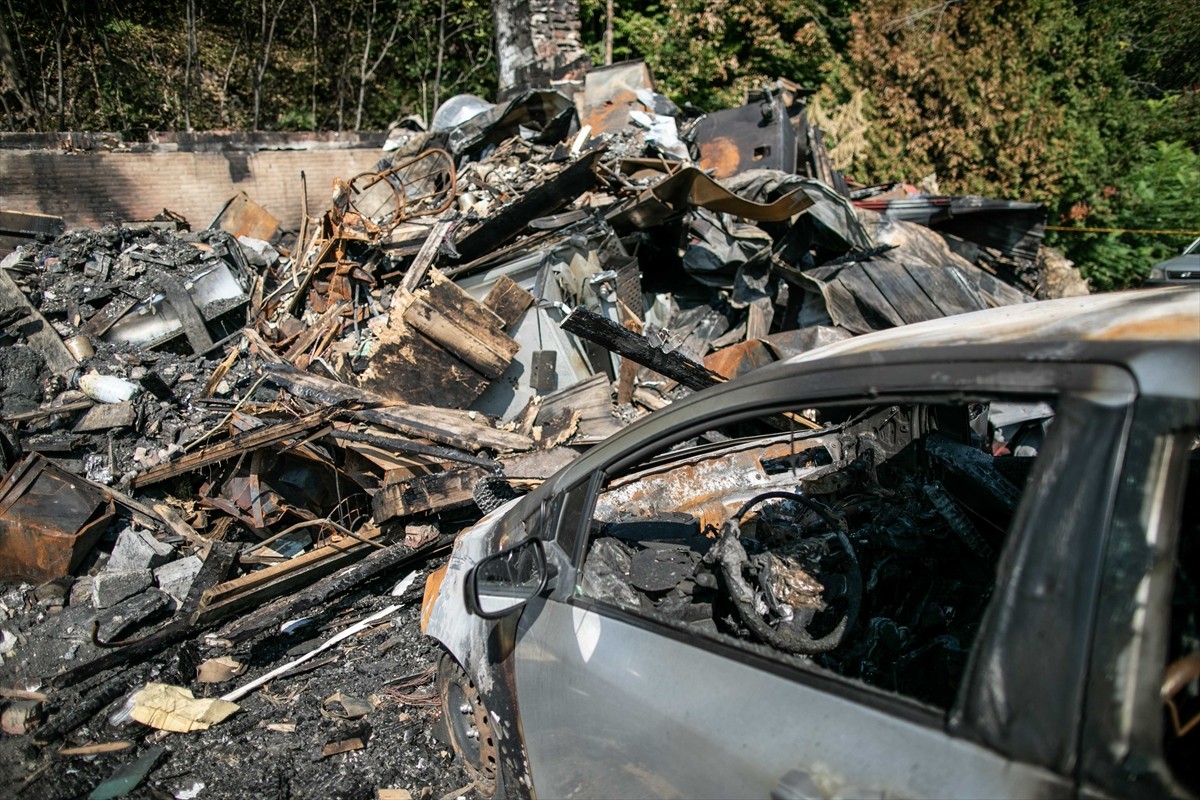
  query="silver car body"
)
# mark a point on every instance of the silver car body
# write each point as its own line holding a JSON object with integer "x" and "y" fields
{"x": 599, "y": 704}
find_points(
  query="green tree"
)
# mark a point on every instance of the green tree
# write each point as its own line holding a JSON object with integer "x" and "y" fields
{"x": 1159, "y": 193}
{"x": 1016, "y": 99}
{"x": 709, "y": 53}
{"x": 132, "y": 66}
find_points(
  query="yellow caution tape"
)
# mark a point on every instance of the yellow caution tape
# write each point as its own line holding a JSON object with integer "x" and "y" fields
{"x": 1120, "y": 230}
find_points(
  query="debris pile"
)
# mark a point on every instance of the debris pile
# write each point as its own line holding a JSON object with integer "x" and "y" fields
{"x": 221, "y": 431}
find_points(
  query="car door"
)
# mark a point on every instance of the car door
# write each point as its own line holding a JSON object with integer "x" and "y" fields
{"x": 615, "y": 703}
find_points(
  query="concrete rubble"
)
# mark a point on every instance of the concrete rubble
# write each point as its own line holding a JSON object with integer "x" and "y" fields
{"x": 207, "y": 434}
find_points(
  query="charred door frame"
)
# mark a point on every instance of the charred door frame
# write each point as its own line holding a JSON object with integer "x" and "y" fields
{"x": 1122, "y": 738}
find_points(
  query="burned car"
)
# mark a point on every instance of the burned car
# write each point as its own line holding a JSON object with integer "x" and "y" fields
{"x": 956, "y": 559}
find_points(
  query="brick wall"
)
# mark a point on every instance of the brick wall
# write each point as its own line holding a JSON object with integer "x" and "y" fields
{"x": 92, "y": 188}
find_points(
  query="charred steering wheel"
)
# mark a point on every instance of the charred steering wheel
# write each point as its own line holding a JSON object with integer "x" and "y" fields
{"x": 787, "y": 636}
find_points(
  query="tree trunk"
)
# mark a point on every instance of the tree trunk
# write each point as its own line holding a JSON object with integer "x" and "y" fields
{"x": 362, "y": 65}
{"x": 343, "y": 77}
{"x": 58, "y": 54}
{"x": 316, "y": 62}
{"x": 265, "y": 38}
{"x": 441, "y": 53}
{"x": 9, "y": 62}
{"x": 608, "y": 32}
{"x": 190, "y": 21}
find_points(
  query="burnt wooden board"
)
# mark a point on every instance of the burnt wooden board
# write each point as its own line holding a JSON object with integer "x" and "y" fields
{"x": 411, "y": 367}
{"x": 440, "y": 491}
{"x": 592, "y": 399}
{"x": 508, "y": 301}
{"x": 546, "y": 198}
{"x": 258, "y": 587}
{"x": 603, "y": 331}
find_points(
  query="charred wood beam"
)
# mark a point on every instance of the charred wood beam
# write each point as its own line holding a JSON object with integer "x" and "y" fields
{"x": 624, "y": 342}
{"x": 400, "y": 445}
{"x": 419, "y": 268}
{"x": 90, "y": 701}
{"x": 220, "y": 601}
{"x": 546, "y": 198}
{"x": 442, "y": 425}
{"x": 244, "y": 442}
{"x": 331, "y": 586}
{"x": 440, "y": 491}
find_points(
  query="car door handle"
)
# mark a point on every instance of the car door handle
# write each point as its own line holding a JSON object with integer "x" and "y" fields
{"x": 796, "y": 785}
{"x": 799, "y": 785}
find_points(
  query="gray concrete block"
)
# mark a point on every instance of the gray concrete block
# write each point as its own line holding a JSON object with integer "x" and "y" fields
{"x": 112, "y": 586}
{"x": 176, "y": 577}
{"x": 138, "y": 550}
{"x": 81, "y": 590}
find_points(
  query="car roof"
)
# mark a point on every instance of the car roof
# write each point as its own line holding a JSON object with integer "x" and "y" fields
{"x": 1161, "y": 315}
{"x": 1152, "y": 333}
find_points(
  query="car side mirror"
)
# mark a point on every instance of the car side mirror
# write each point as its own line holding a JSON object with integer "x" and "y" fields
{"x": 502, "y": 583}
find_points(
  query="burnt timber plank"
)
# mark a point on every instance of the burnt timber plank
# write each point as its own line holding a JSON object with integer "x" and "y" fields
{"x": 234, "y": 446}
{"x": 442, "y": 425}
{"x": 543, "y": 199}
{"x": 508, "y": 301}
{"x": 440, "y": 491}
{"x": 266, "y": 584}
{"x": 269, "y": 616}
{"x": 405, "y": 363}
{"x": 397, "y": 444}
{"x": 426, "y": 255}
{"x": 435, "y": 424}
{"x": 486, "y": 350}
{"x": 450, "y": 299}
{"x": 622, "y": 341}
{"x": 592, "y": 399}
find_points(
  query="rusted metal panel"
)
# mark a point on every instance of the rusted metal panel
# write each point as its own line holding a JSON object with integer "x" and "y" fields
{"x": 241, "y": 216}
{"x": 738, "y": 359}
{"x": 754, "y": 136}
{"x": 691, "y": 187}
{"x": 610, "y": 93}
{"x": 49, "y": 520}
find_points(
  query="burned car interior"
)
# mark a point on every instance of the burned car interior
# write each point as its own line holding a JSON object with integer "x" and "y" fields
{"x": 867, "y": 546}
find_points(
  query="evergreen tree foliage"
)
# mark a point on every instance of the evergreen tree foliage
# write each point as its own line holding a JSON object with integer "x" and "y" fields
{"x": 709, "y": 52}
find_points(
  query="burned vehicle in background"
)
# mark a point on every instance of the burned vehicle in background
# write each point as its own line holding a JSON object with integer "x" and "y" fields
{"x": 952, "y": 559}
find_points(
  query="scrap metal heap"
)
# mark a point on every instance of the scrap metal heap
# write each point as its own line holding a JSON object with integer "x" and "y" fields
{"x": 255, "y": 411}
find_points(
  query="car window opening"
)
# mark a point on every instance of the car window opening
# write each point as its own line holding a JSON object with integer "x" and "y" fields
{"x": 869, "y": 547}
